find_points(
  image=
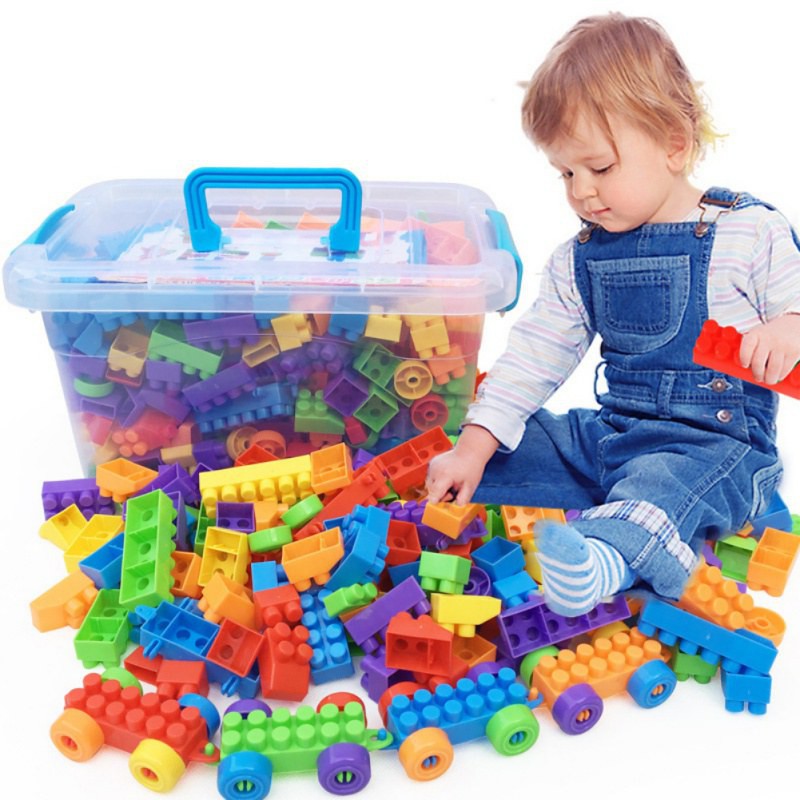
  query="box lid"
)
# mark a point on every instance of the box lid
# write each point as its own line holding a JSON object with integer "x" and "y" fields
{"x": 281, "y": 240}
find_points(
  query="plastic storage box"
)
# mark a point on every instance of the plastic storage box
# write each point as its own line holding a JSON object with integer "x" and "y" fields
{"x": 193, "y": 320}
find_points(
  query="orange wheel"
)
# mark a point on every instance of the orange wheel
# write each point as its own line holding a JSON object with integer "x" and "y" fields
{"x": 426, "y": 754}
{"x": 77, "y": 735}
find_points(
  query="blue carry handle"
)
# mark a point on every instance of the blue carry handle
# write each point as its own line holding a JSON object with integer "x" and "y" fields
{"x": 344, "y": 236}
{"x": 502, "y": 234}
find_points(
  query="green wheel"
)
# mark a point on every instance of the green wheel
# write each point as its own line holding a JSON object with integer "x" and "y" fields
{"x": 513, "y": 730}
{"x": 123, "y": 677}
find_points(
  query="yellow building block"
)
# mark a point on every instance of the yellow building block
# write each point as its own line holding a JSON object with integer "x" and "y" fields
{"x": 532, "y": 565}
{"x": 227, "y": 552}
{"x": 387, "y": 327}
{"x": 461, "y": 613}
{"x": 63, "y": 528}
{"x": 291, "y": 331}
{"x": 66, "y": 603}
{"x": 180, "y": 454}
{"x": 287, "y": 481}
{"x": 265, "y": 348}
{"x": 312, "y": 558}
{"x": 128, "y": 352}
{"x": 100, "y": 529}
{"x": 428, "y": 335}
{"x": 519, "y": 520}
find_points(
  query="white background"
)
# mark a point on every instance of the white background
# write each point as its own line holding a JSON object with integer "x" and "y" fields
{"x": 409, "y": 91}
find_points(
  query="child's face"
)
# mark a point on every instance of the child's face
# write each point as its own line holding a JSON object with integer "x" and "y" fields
{"x": 623, "y": 184}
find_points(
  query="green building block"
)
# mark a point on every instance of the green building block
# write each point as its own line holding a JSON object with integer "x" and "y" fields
{"x": 377, "y": 363}
{"x": 377, "y": 410}
{"x": 302, "y": 512}
{"x": 313, "y": 415}
{"x": 796, "y": 524}
{"x": 293, "y": 742}
{"x": 203, "y": 522}
{"x": 349, "y": 597}
{"x": 269, "y": 539}
{"x": 494, "y": 524}
{"x": 462, "y": 387}
{"x": 457, "y": 409}
{"x": 735, "y": 553}
{"x": 147, "y": 550}
{"x": 687, "y": 666}
{"x": 103, "y": 634}
{"x": 439, "y": 572}
{"x": 168, "y": 342}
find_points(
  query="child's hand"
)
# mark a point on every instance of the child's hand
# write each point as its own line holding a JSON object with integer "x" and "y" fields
{"x": 457, "y": 473}
{"x": 771, "y": 350}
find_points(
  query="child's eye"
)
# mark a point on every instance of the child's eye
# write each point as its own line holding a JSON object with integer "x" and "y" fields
{"x": 566, "y": 175}
{"x": 602, "y": 170}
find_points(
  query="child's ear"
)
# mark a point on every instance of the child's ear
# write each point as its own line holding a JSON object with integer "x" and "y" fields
{"x": 679, "y": 149}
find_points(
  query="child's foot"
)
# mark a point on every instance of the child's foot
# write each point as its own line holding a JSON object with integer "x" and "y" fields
{"x": 577, "y": 571}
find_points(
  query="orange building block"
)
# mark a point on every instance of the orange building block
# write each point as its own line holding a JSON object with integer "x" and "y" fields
{"x": 474, "y": 649}
{"x": 66, "y": 603}
{"x": 717, "y": 599}
{"x": 224, "y": 598}
{"x": 444, "y": 368}
{"x": 519, "y": 520}
{"x": 772, "y": 561}
{"x": 186, "y": 574}
{"x": 606, "y": 666}
{"x": 312, "y": 558}
{"x": 449, "y": 518}
{"x": 120, "y": 479}
{"x": 331, "y": 468}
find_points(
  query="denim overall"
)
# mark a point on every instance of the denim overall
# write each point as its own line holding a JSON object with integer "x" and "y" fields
{"x": 677, "y": 453}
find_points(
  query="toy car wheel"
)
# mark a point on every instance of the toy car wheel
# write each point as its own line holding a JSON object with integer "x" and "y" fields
{"x": 206, "y": 708}
{"x": 577, "y": 709}
{"x": 513, "y": 730}
{"x": 76, "y": 735}
{"x": 403, "y": 688}
{"x": 244, "y": 776}
{"x": 340, "y": 700}
{"x": 344, "y": 768}
{"x": 246, "y": 707}
{"x": 156, "y": 765}
{"x": 426, "y": 754}
{"x": 652, "y": 684}
{"x": 122, "y": 676}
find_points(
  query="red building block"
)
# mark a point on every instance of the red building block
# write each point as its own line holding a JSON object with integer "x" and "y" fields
{"x": 176, "y": 678}
{"x": 419, "y": 645}
{"x": 255, "y": 454}
{"x": 718, "y": 347}
{"x": 284, "y": 662}
{"x": 143, "y": 668}
{"x": 235, "y": 647}
{"x": 403, "y": 541}
{"x": 278, "y": 605}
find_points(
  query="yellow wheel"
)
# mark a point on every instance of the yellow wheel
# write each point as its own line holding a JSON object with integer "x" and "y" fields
{"x": 426, "y": 754}
{"x": 156, "y": 765}
{"x": 77, "y": 735}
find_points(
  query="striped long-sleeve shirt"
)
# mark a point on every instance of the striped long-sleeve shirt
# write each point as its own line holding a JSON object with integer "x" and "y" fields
{"x": 754, "y": 277}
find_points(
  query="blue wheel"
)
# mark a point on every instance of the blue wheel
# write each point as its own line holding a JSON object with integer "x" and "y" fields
{"x": 207, "y": 710}
{"x": 244, "y": 776}
{"x": 652, "y": 684}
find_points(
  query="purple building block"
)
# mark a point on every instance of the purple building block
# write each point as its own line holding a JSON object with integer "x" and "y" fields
{"x": 377, "y": 677}
{"x": 227, "y": 384}
{"x": 368, "y": 624}
{"x": 532, "y": 625}
{"x": 83, "y": 492}
{"x": 163, "y": 376}
{"x": 236, "y": 517}
{"x": 230, "y": 331}
{"x": 212, "y": 455}
{"x": 479, "y": 582}
{"x": 327, "y": 355}
{"x": 171, "y": 406}
{"x": 346, "y": 392}
{"x": 182, "y": 539}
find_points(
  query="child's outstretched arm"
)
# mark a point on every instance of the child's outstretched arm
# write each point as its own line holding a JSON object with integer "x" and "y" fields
{"x": 458, "y": 472}
{"x": 772, "y": 349}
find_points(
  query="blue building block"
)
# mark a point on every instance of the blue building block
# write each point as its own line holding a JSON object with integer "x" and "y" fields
{"x": 515, "y": 589}
{"x": 399, "y": 573}
{"x": 776, "y": 516}
{"x": 331, "y": 659}
{"x": 364, "y": 532}
{"x": 733, "y": 649}
{"x": 265, "y": 402}
{"x": 462, "y": 712}
{"x": 173, "y": 631}
{"x": 104, "y": 566}
{"x": 264, "y": 575}
{"x": 499, "y": 558}
{"x": 747, "y": 689}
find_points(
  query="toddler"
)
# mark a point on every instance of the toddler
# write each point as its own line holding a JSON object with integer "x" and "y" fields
{"x": 676, "y": 453}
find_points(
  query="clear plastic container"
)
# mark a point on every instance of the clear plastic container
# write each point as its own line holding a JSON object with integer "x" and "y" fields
{"x": 282, "y": 308}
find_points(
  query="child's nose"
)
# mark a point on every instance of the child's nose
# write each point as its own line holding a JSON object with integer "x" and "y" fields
{"x": 582, "y": 186}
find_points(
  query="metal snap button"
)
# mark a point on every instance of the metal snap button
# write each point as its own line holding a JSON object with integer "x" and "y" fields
{"x": 719, "y": 385}
{"x": 724, "y": 415}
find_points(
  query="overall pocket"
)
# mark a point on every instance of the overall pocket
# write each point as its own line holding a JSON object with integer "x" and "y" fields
{"x": 765, "y": 482}
{"x": 639, "y": 303}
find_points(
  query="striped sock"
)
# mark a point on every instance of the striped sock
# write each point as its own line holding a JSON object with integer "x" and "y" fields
{"x": 577, "y": 571}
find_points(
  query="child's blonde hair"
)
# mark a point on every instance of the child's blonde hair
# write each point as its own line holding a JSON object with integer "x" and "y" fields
{"x": 627, "y": 66}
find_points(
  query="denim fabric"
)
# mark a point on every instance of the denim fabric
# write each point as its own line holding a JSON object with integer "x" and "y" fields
{"x": 676, "y": 453}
